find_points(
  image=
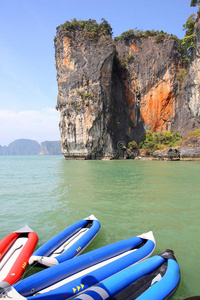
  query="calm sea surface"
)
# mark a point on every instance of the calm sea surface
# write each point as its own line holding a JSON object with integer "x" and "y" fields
{"x": 128, "y": 197}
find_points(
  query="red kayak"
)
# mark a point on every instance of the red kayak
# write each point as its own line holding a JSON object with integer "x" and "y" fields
{"x": 15, "y": 251}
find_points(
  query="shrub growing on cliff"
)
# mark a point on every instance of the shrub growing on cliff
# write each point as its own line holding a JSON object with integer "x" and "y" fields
{"x": 192, "y": 139}
{"x": 184, "y": 46}
{"x": 188, "y": 43}
{"x": 90, "y": 27}
{"x": 194, "y": 2}
{"x": 129, "y": 58}
{"x": 160, "y": 140}
{"x": 135, "y": 33}
{"x": 181, "y": 76}
{"x": 160, "y": 37}
{"x": 133, "y": 146}
{"x": 195, "y": 133}
{"x": 126, "y": 35}
{"x": 189, "y": 25}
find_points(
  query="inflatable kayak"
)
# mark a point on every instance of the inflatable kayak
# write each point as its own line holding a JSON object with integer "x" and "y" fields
{"x": 157, "y": 278}
{"x": 15, "y": 251}
{"x": 75, "y": 275}
{"x": 69, "y": 243}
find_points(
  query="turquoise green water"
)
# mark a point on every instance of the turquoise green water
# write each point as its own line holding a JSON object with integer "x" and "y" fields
{"x": 128, "y": 197}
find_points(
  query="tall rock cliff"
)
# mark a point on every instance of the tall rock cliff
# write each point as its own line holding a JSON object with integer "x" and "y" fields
{"x": 149, "y": 75}
{"x": 111, "y": 92}
{"x": 192, "y": 86}
{"x": 84, "y": 67}
{"x": 187, "y": 115}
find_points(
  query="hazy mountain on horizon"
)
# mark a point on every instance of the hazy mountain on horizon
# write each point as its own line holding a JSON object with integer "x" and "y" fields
{"x": 50, "y": 148}
{"x": 31, "y": 147}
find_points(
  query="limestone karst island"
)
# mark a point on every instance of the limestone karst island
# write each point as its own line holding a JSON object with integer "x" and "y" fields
{"x": 135, "y": 96}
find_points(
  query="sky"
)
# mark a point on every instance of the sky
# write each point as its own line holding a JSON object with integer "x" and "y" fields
{"x": 28, "y": 86}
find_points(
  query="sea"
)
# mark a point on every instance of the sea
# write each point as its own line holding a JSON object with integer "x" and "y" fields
{"x": 128, "y": 197}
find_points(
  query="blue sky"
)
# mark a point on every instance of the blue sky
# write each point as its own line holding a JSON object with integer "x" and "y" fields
{"x": 28, "y": 87}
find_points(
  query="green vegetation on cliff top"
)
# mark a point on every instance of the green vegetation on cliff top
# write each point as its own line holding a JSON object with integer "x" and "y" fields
{"x": 90, "y": 27}
{"x": 194, "y": 2}
{"x": 136, "y": 33}
{"x": 188, "y": 43}
{"x": 185, "y": 45}
{"x": 94, "y": 30}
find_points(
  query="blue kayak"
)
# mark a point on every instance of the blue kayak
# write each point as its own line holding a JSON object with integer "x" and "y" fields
{"x": 71, "y": 277}
{"x": 69, "y": 243}
{"x": 156, "y": 278}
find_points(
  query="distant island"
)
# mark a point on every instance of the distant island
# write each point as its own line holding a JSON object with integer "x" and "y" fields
{"x": 31, "y": 147}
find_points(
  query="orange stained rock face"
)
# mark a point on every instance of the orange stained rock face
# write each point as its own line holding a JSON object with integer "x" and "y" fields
{"x": 158, "y": 106}
{"x": 88, "y": 118}
{"x": 133, "y": 47}
{"x": 131, "y": 86}
{"x": 131, "y": 113}
{"x": 66, "y": 54}
{"x": 130, "y": 96}
{"x": 130, "y": 99}
{"x": 130, "y": 91}
{"x": 83, "y": 50}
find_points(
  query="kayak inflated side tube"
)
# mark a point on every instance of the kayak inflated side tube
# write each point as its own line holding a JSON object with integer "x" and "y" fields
{"x": 114, "y": 284}
{"x": 86, "y": 281}
{"x": 67, "y": 244}
{"x": 79, "y": 246}
{"x": 39, "y": 281}
{"x": 49, "y": 247}
{"x": 161, "y": 289}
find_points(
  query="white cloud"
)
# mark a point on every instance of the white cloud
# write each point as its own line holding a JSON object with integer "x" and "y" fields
{"x": 31, "y": 124}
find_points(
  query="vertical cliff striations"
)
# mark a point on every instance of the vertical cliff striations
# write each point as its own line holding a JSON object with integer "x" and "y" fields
{"x": 187, "y": 116}
{"x": 192, "y": 87}
{"x": 113, "y": 91}
{"x": 84, "y": 67}
{"x": 150, "y": 68}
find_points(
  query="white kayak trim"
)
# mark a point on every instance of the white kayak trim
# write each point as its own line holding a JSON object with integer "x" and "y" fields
{"x": 83, "y": 272}
{"x": 148, "y": 236}
{"x": 44, "y": 260}
{"x": 11, "y": 256}
{"x": 156, "y": 279}
{"x": 69, "y": 242}
{"x": 91, "y": 218}
{"x": 51, "y": 260}
{"x": 24, "y": 229}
